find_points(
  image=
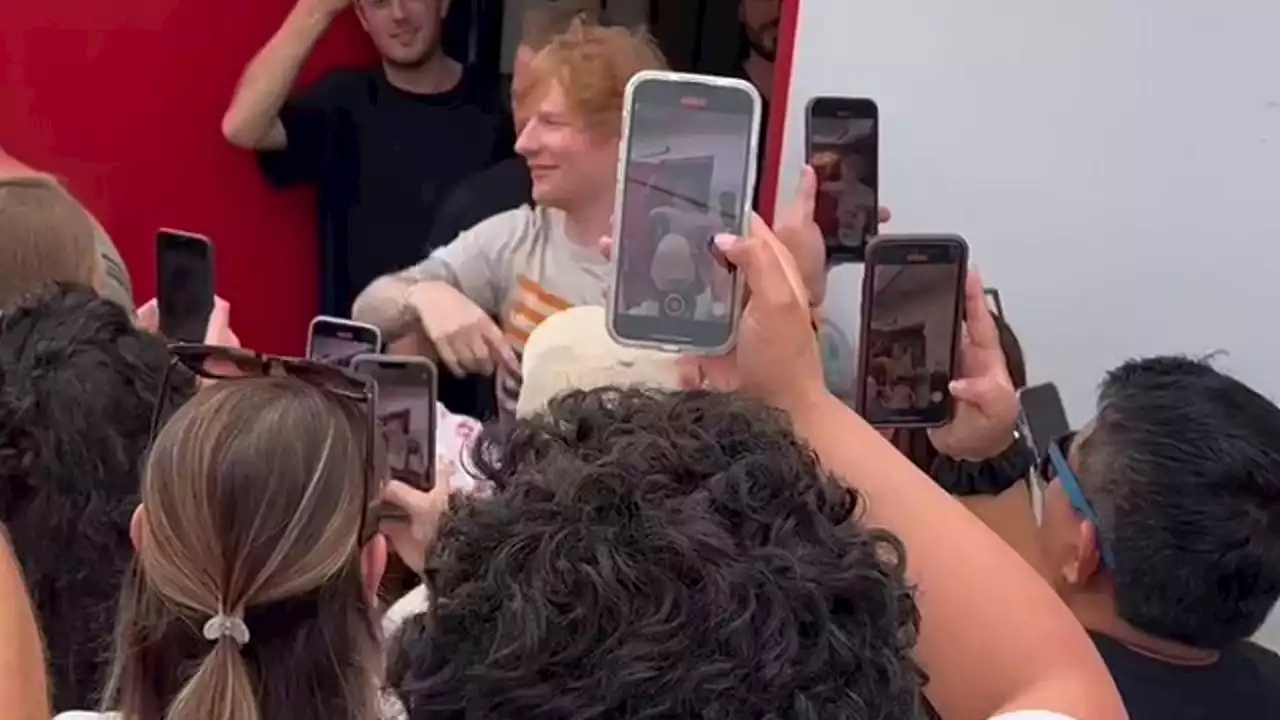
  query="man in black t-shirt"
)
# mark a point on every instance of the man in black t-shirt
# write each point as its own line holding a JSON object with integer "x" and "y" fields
{"x": 1161, "y": 531}
{"x": 384, "y": 145}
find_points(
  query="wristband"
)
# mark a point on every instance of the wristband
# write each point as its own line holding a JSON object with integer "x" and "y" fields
{"x": 987, "y": 477}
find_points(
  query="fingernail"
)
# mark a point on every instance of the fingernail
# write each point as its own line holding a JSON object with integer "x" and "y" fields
{"x": 726, "y": 242}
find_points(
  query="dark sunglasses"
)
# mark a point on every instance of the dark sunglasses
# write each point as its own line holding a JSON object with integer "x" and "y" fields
{"x": 1054, "y": 466}
{"x": 214, "y": 362}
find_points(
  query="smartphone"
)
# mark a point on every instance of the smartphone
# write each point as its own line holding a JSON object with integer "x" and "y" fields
{"x": 184, "y": 285}
{"x": 406, "y": 414}
{"x": 993, "y": 301}
{"x": 842, "y": 144}
{"x": 338, "y": 341}
{"x": 912, "y": 306}
{"x": 686, "y": 173}
{"x": 1042, "y": 418}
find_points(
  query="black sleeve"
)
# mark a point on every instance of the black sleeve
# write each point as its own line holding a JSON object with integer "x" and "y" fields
{"x": 456, "y": 214}
{"x": 309, "y": 123}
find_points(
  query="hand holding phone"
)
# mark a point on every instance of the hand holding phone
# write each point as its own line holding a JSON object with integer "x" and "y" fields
{"x": 686, "y": 173}
{"x": 406, "y": 414}
{"x": 912, "y": 306}
{"x": 185, "y": 285}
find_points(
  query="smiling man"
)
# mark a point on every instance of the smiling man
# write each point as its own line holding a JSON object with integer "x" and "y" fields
{"x": 385, "y": 145}
{"x": 526, "y": 264}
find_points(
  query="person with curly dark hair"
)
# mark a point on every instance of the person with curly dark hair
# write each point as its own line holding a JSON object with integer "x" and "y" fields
{"x": 651, "y": 552}
{"x": 548, "y": 598}
{"x": 78, "y": 385}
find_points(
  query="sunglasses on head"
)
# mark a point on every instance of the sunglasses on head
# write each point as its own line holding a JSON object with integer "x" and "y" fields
{"x": 1054, "y": 466}
{"x": 214, "y": 362}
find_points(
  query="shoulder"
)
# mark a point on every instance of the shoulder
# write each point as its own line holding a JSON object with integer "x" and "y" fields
{"x": 1265, "y": 659}
{"x": 514, "y": 227}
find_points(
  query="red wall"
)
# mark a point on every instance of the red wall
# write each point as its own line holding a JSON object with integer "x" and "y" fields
{"x": 124, "y": 101}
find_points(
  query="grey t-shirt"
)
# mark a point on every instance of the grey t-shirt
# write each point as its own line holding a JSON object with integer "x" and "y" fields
{"x": 521, "y": 267}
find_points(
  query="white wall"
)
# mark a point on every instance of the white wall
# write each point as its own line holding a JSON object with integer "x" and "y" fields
{"x": 730, "y": 163}
{"x": 1115, "y": 166}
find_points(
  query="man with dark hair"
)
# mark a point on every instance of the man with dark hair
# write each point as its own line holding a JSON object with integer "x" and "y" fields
{"x": 659, "y": 554}
{"x": 78, "y": 386}
{"x": 1161, "y": 530}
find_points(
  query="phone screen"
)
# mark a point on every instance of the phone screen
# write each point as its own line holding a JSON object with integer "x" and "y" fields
{"x": 184, "y": 282}
{"x": 406, "y": 414}
{"x": 1043, "y": 418}
{"x": 689, "y": 176}
{"x": 843, "y": 150}
{"x": 912, "y": 324}
{"x": 338, "y": 342}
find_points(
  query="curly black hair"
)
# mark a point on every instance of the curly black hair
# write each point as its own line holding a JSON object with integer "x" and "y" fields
{"x": 660, "y": 555}
{"x": 78, "y": 384}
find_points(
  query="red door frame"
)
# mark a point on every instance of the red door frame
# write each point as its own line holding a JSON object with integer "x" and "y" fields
{"x": 775, "y": 139}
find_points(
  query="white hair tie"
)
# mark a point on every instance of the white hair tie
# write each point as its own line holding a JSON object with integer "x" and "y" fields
{"x": 223, "y": 625}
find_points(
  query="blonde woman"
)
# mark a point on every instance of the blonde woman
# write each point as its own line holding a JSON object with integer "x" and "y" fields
{"x": 259, "y": 553}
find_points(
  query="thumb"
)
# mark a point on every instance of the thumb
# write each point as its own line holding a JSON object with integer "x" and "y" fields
{"x": 979, "y": 391}
{"x": 219, "y": 322}
{"x": 806, "y": 197}
{"x": 766, "y": 278}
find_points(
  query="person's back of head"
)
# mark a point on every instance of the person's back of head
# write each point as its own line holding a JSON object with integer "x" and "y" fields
{"x": 660, "y": 554}
{"x": 1180, "y": 473}
{"x": 252, "y": 593}
{"x": 45, "y": 236}
{"x": 78, "y": 386}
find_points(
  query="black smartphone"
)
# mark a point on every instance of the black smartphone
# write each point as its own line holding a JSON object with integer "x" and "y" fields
{"x": 1043, "y": 418}
{"x": 338, "y": 341}
{"x": 842, "y": 145}
{"x": 686, "y": 173}
{"x": 912, "y": 306}
{"x": 406, "y": 414}
{"x": 993, "y": 301}
{"x": 184, "y": 285}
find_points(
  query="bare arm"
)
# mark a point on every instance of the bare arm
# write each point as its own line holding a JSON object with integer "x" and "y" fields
{"x": 252, "y": 121}
{"x": 1010, "y": 515}
{"x": 984, "y": 659}
{"x": 24, "y": 688}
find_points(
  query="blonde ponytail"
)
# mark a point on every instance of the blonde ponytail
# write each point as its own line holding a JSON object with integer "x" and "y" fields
{"x": 220, "y": 690}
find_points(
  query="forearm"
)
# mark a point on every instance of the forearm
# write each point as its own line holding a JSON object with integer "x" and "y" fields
{"x": 385, "y": 304}
{"x": 983, "y": 658}
{"x": 24, "y": 688}
{"x": 252, "y": 120}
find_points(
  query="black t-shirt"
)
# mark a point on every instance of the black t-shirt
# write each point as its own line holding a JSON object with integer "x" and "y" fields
{"x": 384, "y": 159}
{"x": 503, "y": 187}
{"x": 1244, "y": 684}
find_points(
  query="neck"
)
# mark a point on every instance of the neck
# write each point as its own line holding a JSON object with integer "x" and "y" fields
{"x": 1097, "y": 613}
{"x": 760, "y": 73}
{"x": 437, "y": 75}
{"x": 585, "y": 224}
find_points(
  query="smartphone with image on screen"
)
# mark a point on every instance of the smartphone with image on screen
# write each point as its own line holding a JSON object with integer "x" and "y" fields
{"x": 1042, "y": 417}
{"x": 337, "y": 341}
{"x": 686, "y": 173}
{"x": 912, "y": 307}
{"x": 184, "y": 285}
{"x": 842, "y": 145}
{"x": 406, "y": 414}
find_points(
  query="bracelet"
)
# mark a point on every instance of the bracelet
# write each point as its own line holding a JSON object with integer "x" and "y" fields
{"x": 992, "y": 476}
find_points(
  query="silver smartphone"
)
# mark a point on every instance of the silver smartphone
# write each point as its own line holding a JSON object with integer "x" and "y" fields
{"x": 337, "y": 341}
{"x": 686, "y": 173}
